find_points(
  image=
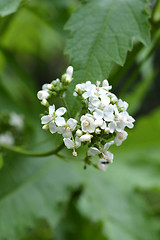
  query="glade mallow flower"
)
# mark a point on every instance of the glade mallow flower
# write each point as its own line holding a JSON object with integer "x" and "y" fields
{"x": 54, "y": 118}
{"x": 99, "y": 125}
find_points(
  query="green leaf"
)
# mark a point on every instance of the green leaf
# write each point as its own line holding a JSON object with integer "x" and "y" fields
{"x": 101, "y": 34}
{"x": 32, "y": 189}
{"x": 8, "y": 6}
{"x": 109, "y": 202}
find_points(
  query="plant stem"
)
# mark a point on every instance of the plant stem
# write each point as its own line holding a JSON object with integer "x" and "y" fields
{"x": 32, "y": 154}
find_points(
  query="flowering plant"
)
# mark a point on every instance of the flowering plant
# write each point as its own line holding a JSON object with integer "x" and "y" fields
{"x": 100, "y": 124}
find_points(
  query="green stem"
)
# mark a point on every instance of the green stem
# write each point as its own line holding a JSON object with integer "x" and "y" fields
{"x": 32, "y": 154}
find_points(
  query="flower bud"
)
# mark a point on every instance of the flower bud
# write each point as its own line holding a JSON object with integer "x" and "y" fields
{"x": 42, "y": 95}
{"x": 50, "y": 86}
{"x": 107, "y": 130}
{"x": 86, "y": 138}
{"x": 74, "y": 153}
{"x": 97, "y": 131}
{"x": 44, "y": 102}
{"x": 79, "y": 133}
{"x": 105, "y": 83}
{"x": 45, "y": 127}
{"x": 69, "y": 71}
{"x": 114, "y": 99}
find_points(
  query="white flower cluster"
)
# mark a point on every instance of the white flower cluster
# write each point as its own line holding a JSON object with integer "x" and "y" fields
{"x": 55, "y": 87}
{"x": 103, "y": 118}
{"x": 14, "y": 123}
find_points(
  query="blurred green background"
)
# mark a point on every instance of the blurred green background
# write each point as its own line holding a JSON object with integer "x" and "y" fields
{"x": 47, "y": 198}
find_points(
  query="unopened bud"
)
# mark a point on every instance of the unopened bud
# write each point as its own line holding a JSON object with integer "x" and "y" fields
{"x": 44, "y": 102}
{"x": 107, "y": 130}
{"x": 86, "y": 138}
{"x": 50, "y": 86}
{"x": 45, "y": 127}
{"x": 79, "y": 133}
{"x": 113, "y": 99}
{"x": 97, "y": 131}
{"x": 74, "y": 153}
{"x": 42, "y": 95}
{"x": 105, "y": 83}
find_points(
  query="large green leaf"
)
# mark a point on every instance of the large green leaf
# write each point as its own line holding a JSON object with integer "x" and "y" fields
{"x": 101, "y": 33}
{"x": 8, "y": 6}
{"x": 40, "y": 188}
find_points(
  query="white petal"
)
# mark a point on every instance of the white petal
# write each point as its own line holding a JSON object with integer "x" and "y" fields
{"x": 78, "y": 142}
{"x": 52, "y": 127}
{"x": 93, "y": 151}
{"x": 69, "y": 71}
{"x": 102, "y": 164}
{"x": 68, "y": 143}
{"x": 72, "y": 123}
{"x": 60, "y": 121}
{"x": 112, "y": 126}
{"x": 67, "y": 134}
{"x": 98, "y": 122}
{"x": 107, "y": 145}
{"x": 60, "y": 130}
{"x": 98, "y": 114}
{"x": 45, "y": 119}
{"x": 60, "y": 111}
{"x": 51, "y": 109}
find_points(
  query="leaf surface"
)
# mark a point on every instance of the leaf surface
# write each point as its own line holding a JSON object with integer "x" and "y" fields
{"x": 8, "y": 6}
{"x": 101, "y": 34}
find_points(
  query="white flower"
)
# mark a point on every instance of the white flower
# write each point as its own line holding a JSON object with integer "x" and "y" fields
{"x": 108, "y": 113}
{"x": 70, "y": 126}
{"x": 6, "y": 139}
{"x": 93, "y": 151}
{"x": 122, "y": 104}
{"x": 120, "y": 137}
{"x": 90, "y": 90}
{"x": 16, "y": 120}
{"x": 54, "y": 118}
{"x": 43, "y": 94}
{"x": 93, "y": 103}
{"x": 72, "y": 145}
{"x": 87, "y": 123}
{"x": 85, "y": 138}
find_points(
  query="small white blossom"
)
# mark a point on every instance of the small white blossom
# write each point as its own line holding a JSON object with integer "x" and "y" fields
{"x": 70, "y": 126}
{"x": 43, "y": 94}
{"x": 87, "y": 123}
{"x": 54, "y": 118}
{"x": 70, "y": 144}
{"x": 120, "y": 137}
{"x": 93, "y": 151}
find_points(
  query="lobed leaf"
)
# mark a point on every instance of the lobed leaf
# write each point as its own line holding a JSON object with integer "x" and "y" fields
{"x": 101, "y": 34}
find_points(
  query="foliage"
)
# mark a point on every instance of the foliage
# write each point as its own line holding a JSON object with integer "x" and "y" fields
{"x": 46, "y": 197}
